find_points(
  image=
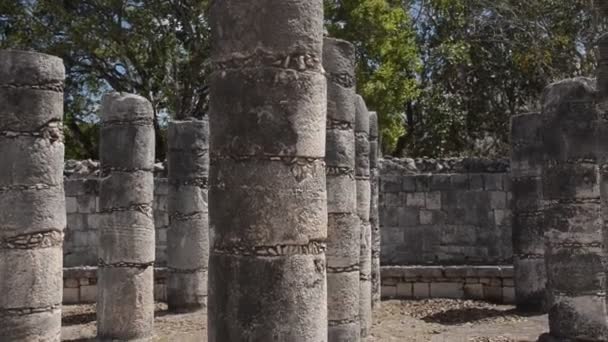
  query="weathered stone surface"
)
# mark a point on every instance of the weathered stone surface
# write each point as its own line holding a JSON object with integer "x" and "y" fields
{"x": 126, "y": 251}
{"x": 374, "y": 218}
{"x": 527, "y": 225}
{"x": 267, "y": 186}
{"x": 32, "y": 201}
{"x": 188, "y": 234}
{"x": 362, "y": 174}
{"x": 272, "y": 293}
{"x": 343, "y": 230}
{"x": 125, "y": 303}
{"x": 575, "y": 254}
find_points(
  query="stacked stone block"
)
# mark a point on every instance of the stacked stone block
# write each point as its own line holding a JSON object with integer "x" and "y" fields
{"x": 445, "y": 218}
{"x": 573, "y": 196}
{"x": 125, "y": 300}
{"x": 188, "y": 235}
{"x": 267, "y": 186}
{"x": 374, "y": 216}
{"x": 32, "y": 201}
{"x": 82, "y": 203}
{"x": 343, "y": 231}
{"x": 362, "y": 175}
{"x": 528, "y": 236}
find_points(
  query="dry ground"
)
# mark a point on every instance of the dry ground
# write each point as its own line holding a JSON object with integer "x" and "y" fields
{"x": 436, "y": 320}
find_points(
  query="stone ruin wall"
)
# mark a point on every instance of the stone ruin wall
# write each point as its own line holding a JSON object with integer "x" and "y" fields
{"x": 445, "y": 212}
{"x": 433, "y": 212}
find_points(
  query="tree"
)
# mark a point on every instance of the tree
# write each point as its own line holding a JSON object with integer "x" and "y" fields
{"x": 156, "y": 48}
{"x": 484, "y": 61}
{"x": 387, "y": 57}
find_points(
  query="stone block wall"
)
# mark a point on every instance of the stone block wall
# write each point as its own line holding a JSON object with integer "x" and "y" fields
{"x": 454, "y": 213}
{"x": 82, "y": 205}
{"x": 490, "y": 283}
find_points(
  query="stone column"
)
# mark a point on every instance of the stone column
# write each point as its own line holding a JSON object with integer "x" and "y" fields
{"x": 188, "y": 234}
{"x": 126, "y": 251}
{"x": 267, "y": 191}
{"x": 32, "y": 201}
{"x": 528, "y": 235}
{"x": 362, "y": 176}
{"x": 374, "y": 216}
{"x": 575, "y": 253}
{"x": 343, "y": 245}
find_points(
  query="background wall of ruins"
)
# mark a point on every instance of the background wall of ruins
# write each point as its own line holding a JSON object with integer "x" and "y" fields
{"x": 445, "y": 212}
{"x": 432, "y": 212}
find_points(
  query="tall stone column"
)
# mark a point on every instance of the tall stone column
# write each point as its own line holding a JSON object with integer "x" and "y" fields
{"x": 188, "y": 234}
{"x": 343, "y": 245}
{"x": 528, "y": 235}
{"x": 575, "y": 234}
{"x": 32, "y": 201}
{"x": 374, "y": 216}
{"x": 267, "y": 191}
{"x": 362, "y": 176}
{"x": 126, "y": 251}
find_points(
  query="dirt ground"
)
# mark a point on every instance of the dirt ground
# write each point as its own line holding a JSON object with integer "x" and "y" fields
{"x": 435, "y": 320}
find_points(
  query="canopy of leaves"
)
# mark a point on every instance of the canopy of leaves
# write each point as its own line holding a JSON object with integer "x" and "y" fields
{"x": 444, "y": 75}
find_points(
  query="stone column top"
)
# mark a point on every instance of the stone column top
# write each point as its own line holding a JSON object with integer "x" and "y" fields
{"x": 339, "y": 60}
{"x": 373, "y": 125}
{"x": 362, "y": 119}
{"x": 125, "y": 107}
{"x": 31, "y": 69}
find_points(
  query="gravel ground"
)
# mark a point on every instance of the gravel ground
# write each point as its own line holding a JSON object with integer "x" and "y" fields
{"x": 435, "y": 320}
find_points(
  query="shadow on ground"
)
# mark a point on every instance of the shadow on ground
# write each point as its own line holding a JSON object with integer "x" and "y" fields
{"x": 471, "y": 315}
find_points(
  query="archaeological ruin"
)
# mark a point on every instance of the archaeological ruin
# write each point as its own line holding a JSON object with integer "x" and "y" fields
{"x": 275, "y": 216}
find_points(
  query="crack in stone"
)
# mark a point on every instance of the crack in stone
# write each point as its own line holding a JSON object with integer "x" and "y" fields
{"x": 576, "y": 244}
{"x": 37, "y": 240}
{"x": 337, "y": 322}
{"x": 23, "y": 187}
{"x": 344, "y": 269}
{"x": 264, "y": 59}
{"x": 531, "y": 256}
{"x": 144, "y": 208}
{"x": 52, "y": 131}
{"x": 55, "y": 86}
{"x": 578, "y": 161}
{"x": 177, "y": 216}
{"x": 365, "y": 277}
{"x": 312, "y": 248}
{"x": 200, "y": 182}
{"x": 362, "y": 178}
{"x": 555, "y": 202}
{"x": 124, "y": 264}
{"x": 332, "y": 124}
{"x": 339, "y": 171}
{"x": 107, "y": 170}
{"x": 186, "y": 271}
{"x": 28, "y": 311}
{"x": 285, "y": 159}
{"x": 134, "y": 122}
{"x": 344, "y": 79}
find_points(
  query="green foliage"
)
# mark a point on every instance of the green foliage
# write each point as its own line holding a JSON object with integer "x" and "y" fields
{"x": 387, "y": 57}
{"x": 484, "y": 61}
{"x": 444, "y": 75}
{"x": 156, "y": 48}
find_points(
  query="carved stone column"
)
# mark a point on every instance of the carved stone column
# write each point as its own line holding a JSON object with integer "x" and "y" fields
{"x": 267, "y": 194}
{"x": 32, "y": 200}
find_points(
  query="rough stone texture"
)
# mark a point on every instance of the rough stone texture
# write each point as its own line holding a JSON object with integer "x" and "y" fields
{"x": 188, "y": 234}
{"x": 374, "y": 215}
{"x": 573, "y": 196}
{"x": 343, "y": 230}
{"x": 32, "y": 201}
{"x": 125, "y": 298}
{"x": 446, "y": 219}
{"x": 267, "y": 187}
{"x": 444, "y": 165}
{"x": 362, "y": 175}
{"x": 528, "y": 235}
